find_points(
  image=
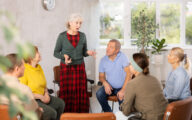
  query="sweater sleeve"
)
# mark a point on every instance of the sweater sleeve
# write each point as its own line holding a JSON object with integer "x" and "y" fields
{"x": 128, "y": 99}
{"x": 58, "y": 48}
{"x": 85, "y": 46}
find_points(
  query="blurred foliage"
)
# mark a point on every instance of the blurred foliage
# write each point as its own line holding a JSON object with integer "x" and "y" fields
{"x": 11, "y": 35}
{"x": 158, "y": 46}
{"x": 110, "y": 28}
{"x": 189, "y": 30}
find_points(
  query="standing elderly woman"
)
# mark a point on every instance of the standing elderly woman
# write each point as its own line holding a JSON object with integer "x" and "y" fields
{"x": 144, "y": 93}
{"x": 71, "y": 48}
{"x": 177, "y": 85}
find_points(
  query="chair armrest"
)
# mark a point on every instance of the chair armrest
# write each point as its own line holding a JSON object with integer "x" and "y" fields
{"x": 99, "y": 83}
{"x": 135, "y": 116}
{"x": 90, "y": 81}
{"x": 50, "y": 91}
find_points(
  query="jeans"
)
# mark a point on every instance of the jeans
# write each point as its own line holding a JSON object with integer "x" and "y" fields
{"x": 102, "y": 98}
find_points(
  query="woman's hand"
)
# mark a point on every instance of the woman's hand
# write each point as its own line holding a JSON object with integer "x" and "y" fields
{"x": 91, "y": 53}
{"x": 67, "y": 59}
{"x": 44, "y": 98}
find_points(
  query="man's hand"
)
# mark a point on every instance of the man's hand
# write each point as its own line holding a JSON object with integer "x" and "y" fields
{"x": 120, "y": 95}
{"x": 108, "y": 88}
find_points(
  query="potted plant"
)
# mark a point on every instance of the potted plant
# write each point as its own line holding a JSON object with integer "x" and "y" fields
{"x": 157, "y": 46}
{"x": 145, "y": 29}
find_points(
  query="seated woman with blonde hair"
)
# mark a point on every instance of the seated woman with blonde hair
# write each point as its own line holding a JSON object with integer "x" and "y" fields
{"x": 177, "y": 86}
{"x": 34, "y": 78}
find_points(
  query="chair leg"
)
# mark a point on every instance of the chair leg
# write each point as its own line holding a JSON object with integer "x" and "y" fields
{"x": 112, "y": 105}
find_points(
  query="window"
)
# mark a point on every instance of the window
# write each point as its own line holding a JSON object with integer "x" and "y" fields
{"x": 174, "y": 18}
{"x": 170, "y": 22}
{"x": 111, "y": 20}
{"x": 189, "y": 23}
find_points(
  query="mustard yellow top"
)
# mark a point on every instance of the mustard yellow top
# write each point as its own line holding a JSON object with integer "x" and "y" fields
{"x": 34, "y": 78}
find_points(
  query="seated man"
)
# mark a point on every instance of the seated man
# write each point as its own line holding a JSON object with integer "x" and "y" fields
{"x": 11, "y": 79}
{"x": 113, "y": 73}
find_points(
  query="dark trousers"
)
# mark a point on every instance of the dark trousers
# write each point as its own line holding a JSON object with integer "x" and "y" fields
{"x": 52, "y": 110}
{"x": 102, "y": 97}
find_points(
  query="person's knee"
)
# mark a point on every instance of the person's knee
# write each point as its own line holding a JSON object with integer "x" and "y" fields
{"x": 50, "y": 114}
{"x": 61, "y": 104}
{"x": 99, "y": 93}
{"x": 53, "y": 114}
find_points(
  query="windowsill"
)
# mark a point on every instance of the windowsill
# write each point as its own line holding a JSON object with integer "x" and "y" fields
{"x": 135, "y": 47}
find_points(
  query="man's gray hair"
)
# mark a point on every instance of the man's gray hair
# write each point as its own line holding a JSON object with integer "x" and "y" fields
{"x": 117, "y": 44}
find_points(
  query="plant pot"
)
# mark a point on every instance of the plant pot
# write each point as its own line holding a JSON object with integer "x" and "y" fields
{"x": 157, "y": 59}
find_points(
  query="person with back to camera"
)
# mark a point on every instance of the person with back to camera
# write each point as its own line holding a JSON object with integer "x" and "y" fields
{"x": 177, "y": 86}
{"x": 71, "y": 48}
{"x": 144, "y": 92}
{"x": 11, "y": 76}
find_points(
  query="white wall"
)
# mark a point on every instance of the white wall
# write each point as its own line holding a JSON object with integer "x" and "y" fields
{"x": 42, "y": 27}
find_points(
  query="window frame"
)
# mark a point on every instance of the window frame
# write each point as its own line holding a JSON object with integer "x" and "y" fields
{"x": 127, "y": 22}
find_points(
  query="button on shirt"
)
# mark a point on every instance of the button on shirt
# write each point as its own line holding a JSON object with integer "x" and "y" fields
{"x": 114, "y": 70}
{"x": 177, "y": 84}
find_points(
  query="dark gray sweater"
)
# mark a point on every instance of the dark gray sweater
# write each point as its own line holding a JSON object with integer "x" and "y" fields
{"x": 63, "y": 46}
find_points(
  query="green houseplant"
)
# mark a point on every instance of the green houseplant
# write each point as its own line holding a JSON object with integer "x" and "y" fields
{"x": 11, "y": 35}
{"x": 158, "y": 46}
{"x": 145, "y": 29}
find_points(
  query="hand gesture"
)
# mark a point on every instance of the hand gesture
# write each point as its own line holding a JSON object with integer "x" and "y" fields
{"x": 67, "y": 59}
{"x": 91, "y": 53}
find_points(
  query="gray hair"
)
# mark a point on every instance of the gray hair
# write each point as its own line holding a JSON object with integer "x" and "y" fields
{"x": 73, "y": 17}
{"x": 117, "y": 44}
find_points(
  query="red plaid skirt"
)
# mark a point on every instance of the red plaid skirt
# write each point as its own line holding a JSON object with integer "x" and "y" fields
{"x": 73, "y": 88}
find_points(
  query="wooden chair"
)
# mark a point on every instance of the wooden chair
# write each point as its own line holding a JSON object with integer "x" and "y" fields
{"x": 4, "y": 114}
{"x": 113, "y": 99}
{"x": 110, "y": 98}
{"x": 179, "y": 110}
{"x": 56, "y": 80}
{"x": 88, "y": 116}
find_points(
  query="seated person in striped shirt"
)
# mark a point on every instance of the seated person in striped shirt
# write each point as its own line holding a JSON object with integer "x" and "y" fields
{"x": 177, "y": 86}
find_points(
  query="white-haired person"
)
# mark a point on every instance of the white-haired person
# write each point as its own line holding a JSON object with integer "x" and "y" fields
{"x": 71, "y": 48}
{"x": 177, "y": 86}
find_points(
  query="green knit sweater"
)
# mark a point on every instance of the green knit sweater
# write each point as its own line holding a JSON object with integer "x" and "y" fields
{"x": 63, "y": 46}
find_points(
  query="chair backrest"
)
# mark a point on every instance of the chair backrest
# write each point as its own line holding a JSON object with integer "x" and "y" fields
{"x": 56, "y": 71}
{"x": 179, "y": 110}
{"x": 4, "y": 114}
{"x": 88, "y": 116}
{"x": 191, "y": 85}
